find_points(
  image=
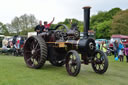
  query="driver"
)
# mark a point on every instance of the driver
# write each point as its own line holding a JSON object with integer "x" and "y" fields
{"x": 39, "y": 28}
{"x": 46, "y": 25}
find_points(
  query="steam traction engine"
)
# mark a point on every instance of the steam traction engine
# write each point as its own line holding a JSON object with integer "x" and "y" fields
{"x": 63, "y": 46}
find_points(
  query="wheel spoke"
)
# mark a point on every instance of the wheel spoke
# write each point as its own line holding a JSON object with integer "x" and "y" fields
{"x": 70, "y": 68}
{"x": 29, "y": 59}
{"x": 95, "y": 64}
{"x": 36, "y": 53}
{"x": 37, "y": 50}
{"x": 74, "y": 68}
{"x": 31, "y": 47}
{"x": 99, "y": 67}
{"x": 35, "y": 41}
{"x": 36, "y": 46}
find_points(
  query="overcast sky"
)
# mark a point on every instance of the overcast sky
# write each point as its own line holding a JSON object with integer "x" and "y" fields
{"x": 45, "y": 10}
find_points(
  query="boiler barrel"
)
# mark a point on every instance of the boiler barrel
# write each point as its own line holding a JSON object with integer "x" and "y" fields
{"x": 86, "y": 45}
{"x": 83, "y": 45}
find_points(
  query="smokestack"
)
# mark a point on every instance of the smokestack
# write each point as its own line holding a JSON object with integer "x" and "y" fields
{"x": 86, "y": 20}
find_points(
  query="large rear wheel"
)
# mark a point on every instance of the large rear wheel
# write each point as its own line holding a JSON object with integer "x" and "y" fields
{"x": 35, "y": 52}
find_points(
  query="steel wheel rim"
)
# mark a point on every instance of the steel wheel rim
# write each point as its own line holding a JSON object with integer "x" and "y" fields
{"x": 99, "y": 62}
{"x": 73, "y": 63}
{"x": 32, "y": 52}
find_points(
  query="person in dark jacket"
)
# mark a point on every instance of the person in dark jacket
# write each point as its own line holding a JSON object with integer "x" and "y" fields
{"x": 14, "y": 39}
{"x": 39, "y": 28}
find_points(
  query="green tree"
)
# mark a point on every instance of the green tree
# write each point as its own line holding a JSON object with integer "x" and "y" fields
{"x": 15, "y": 25}
{"x": 120, "y": 23}
{"x": 103, "y": 29}
{"x": 102, "y": 22}
{"x": 3, "y": 29}
{"x": 23, "y": 24}
{"x": 112, "y": 12}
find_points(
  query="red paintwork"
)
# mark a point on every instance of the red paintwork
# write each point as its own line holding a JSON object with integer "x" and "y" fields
{"x": 121, "y": 37}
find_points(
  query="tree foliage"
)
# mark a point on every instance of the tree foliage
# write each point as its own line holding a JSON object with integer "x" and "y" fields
{"x": 120, "y": 23}
{"x": 102, "y": 22}
{"x": 23, "y": 24}
{"x": 3, "y": 29}
{"x": 103, "y": 29}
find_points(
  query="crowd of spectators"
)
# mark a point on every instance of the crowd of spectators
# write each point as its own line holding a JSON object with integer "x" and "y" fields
{"x": 118, "y": 49}
{"x": 15, "y": 46}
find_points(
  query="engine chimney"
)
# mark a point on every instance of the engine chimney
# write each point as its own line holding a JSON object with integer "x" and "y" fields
{"x": 86, "y": 20}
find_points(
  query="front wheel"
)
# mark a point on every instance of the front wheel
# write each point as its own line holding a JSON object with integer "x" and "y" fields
{"x": 100, "y": 62}
{"x": 73, "y": 63}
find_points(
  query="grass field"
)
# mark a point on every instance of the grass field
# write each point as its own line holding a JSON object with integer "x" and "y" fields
{"x": 13, "y": 71}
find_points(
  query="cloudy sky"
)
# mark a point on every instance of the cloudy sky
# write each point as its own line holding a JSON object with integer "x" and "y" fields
{"x": 45, "y": 10}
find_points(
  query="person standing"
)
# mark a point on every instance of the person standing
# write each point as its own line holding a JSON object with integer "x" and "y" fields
{"x": 39, "y": 28}
{"x": 14, "y": 39}
{"x": 115, "y": 48}
{"x": 101, "y": 45}
{"x": 104, "y": 47}
{"x": 46, "y": 25}
{"x": 126, "y": 53}
{"x": 98, "y": 45}
{"x": 121, "y": 49}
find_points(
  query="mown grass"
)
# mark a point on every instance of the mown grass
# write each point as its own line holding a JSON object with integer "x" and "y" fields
{"x": 13, "y": 71}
